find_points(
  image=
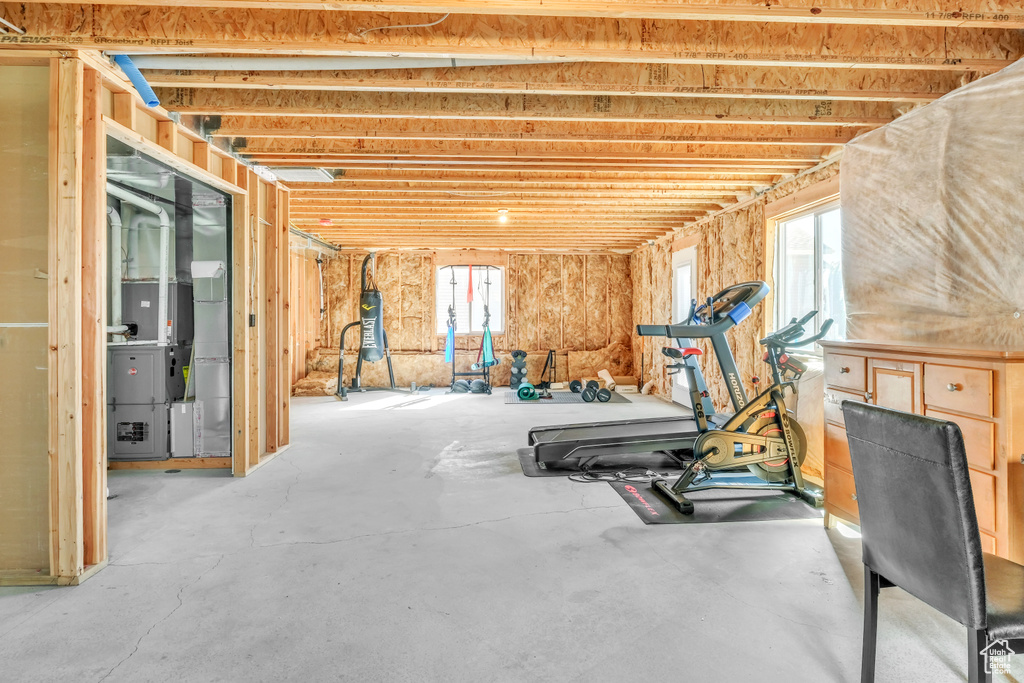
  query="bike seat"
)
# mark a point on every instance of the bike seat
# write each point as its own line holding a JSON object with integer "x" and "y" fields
{"x": 680, "y": 354}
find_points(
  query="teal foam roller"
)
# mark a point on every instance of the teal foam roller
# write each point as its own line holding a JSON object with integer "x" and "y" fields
{"x": 526, "y": 392}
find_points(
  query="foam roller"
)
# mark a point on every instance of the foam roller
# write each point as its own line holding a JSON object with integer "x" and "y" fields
{"x": 526, "y": 392}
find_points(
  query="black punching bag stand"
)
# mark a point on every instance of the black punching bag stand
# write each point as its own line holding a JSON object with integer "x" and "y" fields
{"x": 373, "y": 340}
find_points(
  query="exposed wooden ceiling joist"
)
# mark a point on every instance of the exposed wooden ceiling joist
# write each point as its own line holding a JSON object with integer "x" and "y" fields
{"x": 594, "y": 78}
{"x": 913, "y": 13}
{"x": 600, "y": 39}
{"x": 524, "y": 107}
{"x": 347, "y": 165}
{"x": 517, "y": 135}
{"x": 612, "y": 196}
{"x": 656, "y": 113}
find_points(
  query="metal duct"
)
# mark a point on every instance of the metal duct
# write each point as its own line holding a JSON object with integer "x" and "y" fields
{"x": 165, "y": 248}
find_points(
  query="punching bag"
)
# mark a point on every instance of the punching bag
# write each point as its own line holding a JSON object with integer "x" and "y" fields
{"x": 371, "y": 319}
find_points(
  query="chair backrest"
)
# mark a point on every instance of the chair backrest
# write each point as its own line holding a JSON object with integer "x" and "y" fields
{"x": 917, "y": 516}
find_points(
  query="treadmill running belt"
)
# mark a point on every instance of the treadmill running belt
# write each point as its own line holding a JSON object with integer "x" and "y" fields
{"x": 659, "y": 463}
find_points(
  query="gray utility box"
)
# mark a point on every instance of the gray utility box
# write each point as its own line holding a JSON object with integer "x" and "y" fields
{"x": 146, "y": 374}
{"x": 143, "y": 382}
{"x": 185, "y": 429}
{"x": 140, "y": 304}
{"x": 137, "y": 432}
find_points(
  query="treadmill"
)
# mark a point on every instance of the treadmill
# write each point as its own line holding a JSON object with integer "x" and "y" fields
{"x": 583, "y": 445}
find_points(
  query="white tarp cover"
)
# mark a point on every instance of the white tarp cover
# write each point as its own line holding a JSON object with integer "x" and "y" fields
{"x": 933, "y": 221}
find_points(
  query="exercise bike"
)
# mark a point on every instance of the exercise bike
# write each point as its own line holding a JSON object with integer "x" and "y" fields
{"x": 761, "y": 436}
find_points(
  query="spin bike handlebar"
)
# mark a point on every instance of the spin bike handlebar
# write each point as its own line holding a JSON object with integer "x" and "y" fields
{"x": 784, "y": 337}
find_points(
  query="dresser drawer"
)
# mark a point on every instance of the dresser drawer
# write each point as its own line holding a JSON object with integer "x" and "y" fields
{"x": 965, "y": 390}
{"x": 984, "y": 488}
{"x": 979, "y": 438}
{"x": 847, "y": 372}
{"x": 837, "y": 448}
{"x": 841, "y": 492}
{"x": 834, "y": 405}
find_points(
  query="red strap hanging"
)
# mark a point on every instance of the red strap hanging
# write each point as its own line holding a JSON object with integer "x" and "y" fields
{"x": 469, "y": 292}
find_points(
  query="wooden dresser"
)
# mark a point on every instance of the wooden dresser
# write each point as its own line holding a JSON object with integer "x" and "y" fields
{"x": 982, "y": 391}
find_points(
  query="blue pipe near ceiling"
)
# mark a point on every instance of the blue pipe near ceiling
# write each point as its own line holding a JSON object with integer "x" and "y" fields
{"x": 135, "y": 76}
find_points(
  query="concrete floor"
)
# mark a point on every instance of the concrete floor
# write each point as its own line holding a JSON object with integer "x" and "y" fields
{"x": 403, "y": 543}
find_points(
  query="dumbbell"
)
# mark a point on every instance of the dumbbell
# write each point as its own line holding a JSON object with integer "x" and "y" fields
{"x": 575, "y": 386}
{"x": 589, "y": 394}
{"x": 593, "y": 384}
{"x": 604, "y": 395}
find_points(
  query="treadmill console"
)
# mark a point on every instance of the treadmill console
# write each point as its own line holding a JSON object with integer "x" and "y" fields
{"x": 724, "y": 310}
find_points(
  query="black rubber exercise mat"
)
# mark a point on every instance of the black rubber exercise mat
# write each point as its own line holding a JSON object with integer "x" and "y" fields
{"x": 713, "y": 506}
{"x": 563, "y": 397}
{"x": 530, "y": 467}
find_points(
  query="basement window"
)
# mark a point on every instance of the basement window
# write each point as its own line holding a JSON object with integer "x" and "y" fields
{"x": 488, "y": 290}
{"x": 809, "y": 270}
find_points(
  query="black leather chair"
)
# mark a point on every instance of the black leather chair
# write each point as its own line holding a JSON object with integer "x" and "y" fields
{"x": 920, "y": 532}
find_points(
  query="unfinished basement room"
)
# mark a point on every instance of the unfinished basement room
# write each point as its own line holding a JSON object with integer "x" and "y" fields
{"x": 512, "y": 340}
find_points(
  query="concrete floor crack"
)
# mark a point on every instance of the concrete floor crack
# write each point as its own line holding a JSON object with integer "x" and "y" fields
{"x": 167, "y": 616}
{"x": 287, "y": 499}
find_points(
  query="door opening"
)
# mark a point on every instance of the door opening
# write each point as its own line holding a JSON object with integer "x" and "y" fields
{"x": 684, "y": 285}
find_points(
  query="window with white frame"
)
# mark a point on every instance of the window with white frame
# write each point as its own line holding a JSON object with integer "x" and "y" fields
{"x": 809, "y": 270}
{"x": 488, "y": 289}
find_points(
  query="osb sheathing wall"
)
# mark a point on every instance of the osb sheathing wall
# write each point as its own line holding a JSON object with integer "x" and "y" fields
{"x": 580, "y": 305}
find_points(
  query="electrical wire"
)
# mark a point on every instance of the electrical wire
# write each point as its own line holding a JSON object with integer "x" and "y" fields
{"x": 252, "y": 268}
{"x": 635, "y": 475}
{"x": 384, "y": 28}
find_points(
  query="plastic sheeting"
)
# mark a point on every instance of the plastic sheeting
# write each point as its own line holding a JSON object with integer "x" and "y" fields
{"x": 933, "y": 215}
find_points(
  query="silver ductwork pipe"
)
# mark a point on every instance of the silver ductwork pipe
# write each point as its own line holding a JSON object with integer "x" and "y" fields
{"x": 114, "y": 218}
{"x": 160, "y": 181}
{"x": 190, "y": 63}
{"x": 165, "y": 249}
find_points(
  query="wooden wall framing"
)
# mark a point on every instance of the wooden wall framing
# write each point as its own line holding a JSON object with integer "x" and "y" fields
{"x": 88, "y": 103}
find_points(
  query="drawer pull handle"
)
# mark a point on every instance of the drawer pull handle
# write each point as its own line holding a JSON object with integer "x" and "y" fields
{"x": 844, "y": 371}
{"x": 853, "y": 496}
{"x": 952, "y": 387}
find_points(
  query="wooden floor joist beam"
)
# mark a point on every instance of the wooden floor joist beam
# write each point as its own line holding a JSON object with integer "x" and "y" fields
{"x": 687, "y": 177}
{"x": 594, "y": 78}
{"x": 524, "y": 107}
{"x": 520, "y": 224}
{"x": 264, "y": 133}
{"x": 173, "y": 28}
{"x": 536, "y": 167}
{"x": 487, "y": 213}
{"x": 557, "y": 235}
{"x": 508, "y": 195}
{"x": 976, "y": 13}
{"x": 546, "y": 188}
{"x": 374, "y": 242}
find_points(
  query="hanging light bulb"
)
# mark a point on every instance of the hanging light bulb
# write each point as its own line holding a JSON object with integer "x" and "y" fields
{"x": 503, "y": 215}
